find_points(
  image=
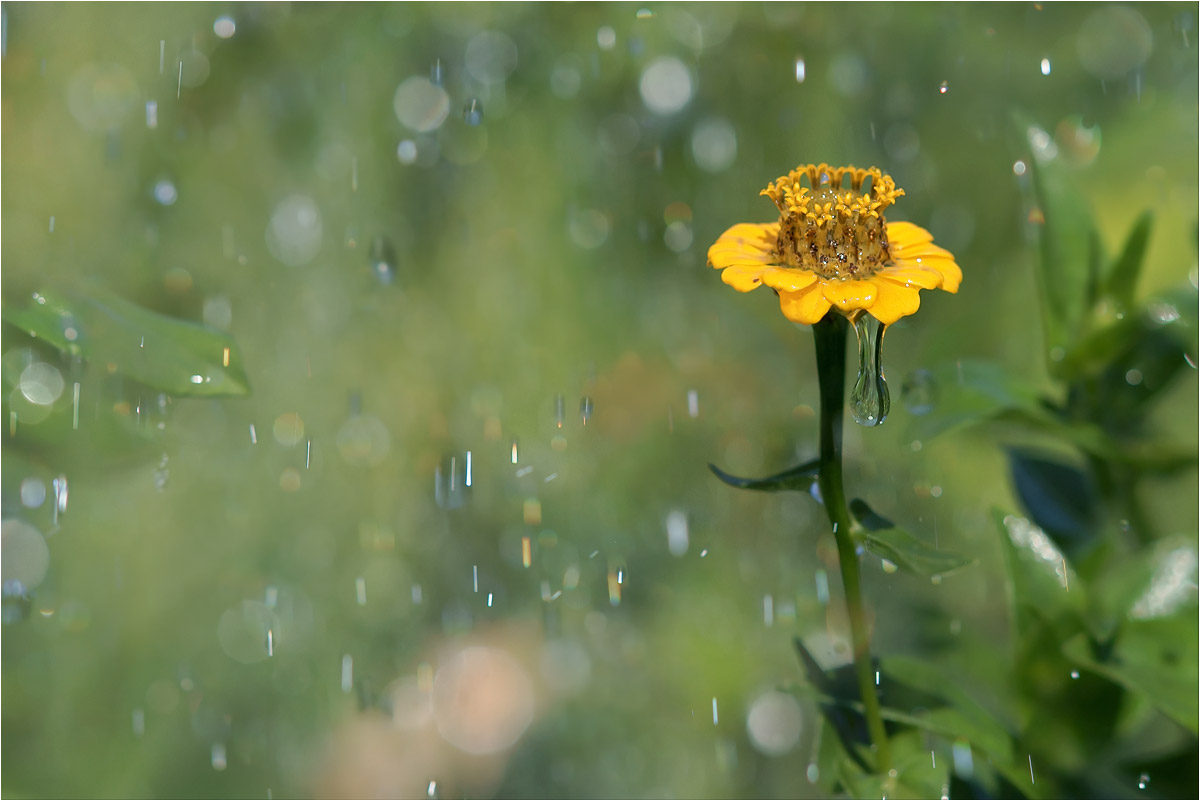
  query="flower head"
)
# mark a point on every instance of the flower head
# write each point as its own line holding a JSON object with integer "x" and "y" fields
{"x": 832, "y": 247}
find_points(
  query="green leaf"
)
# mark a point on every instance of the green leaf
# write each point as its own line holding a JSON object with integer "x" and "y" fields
{"x": 1039, "y": 579}
{"x": 1155, "y": 658}
{"x": 1068, "y": 266}
{"x": 900, "y": 547}
{"x": 1122, "y": 277}
{"x": 1059, "y": 497}
{"x": 962, "y": 717}
{"x": 917, "y": 775}
{"x": 175, "y": 356}
{"x": 968, "y": 391}
{"x": 800, "y": 478}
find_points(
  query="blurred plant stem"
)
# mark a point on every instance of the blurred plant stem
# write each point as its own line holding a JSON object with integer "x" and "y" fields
{"x": 830, "y": 337}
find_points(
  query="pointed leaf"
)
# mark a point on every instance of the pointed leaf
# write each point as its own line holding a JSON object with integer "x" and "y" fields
{"x": 175, "y": 356}
{"x": 1059, "y": 497}
{"x": 800, "y": 478}
{"x": 1154, "y": 658}
{"x": 1066, "y": 269}
{"x": 967, "y": 391}
{"x": 902, "y": 548}
{"x": 1121, "y": 281}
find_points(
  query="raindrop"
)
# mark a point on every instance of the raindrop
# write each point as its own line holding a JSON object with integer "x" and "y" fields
{"x": 151, "y": 114}
{"x": 383, "y": 260}
{"x": 943, "y": 87}
{"x": 919, "y": 392}
{"x": 799, "y": 70}
{"x": 558, "y": 411}
{"x": 218, "y": 756}
{"x": 693, "y": 402}
{"x": 33, "y": 492}
{"x": 1074, "y": 674}
{"x": 585, "y": 409}
{"x": 161, "y": 474}
{"x": 224, "y": 26}
{"x": 677, "y": 532}
{"x": 870, "y": 400}
{"x": 165, "y": 193}
{"x": 431, "y": 790}
{"x": 449, "y": 490}
{"x": 473, "y": 112}
{"x": 1045, "y": 66}
{"x": 347, "y": 673}
{"x": 666, "y": 85}
{"x": 1143, "y": 780}
{"x": 406, "y": 151}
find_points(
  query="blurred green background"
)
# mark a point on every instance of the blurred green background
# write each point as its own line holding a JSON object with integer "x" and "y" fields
{"x": 443, "y": 235}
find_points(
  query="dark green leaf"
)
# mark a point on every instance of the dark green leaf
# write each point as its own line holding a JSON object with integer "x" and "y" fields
{"x": 175, "y": 356}
{"x": 1039, "y": 579}
{"x": 1155, "y": 658}
{"x": 1059, "y": 497}
{"x": 800, "y": 478}
{"x": 1122, "y": 277}
{"x": 970, "y": 391}
{"x": 1068, "y": 258}
{"x": 902, "y": 548}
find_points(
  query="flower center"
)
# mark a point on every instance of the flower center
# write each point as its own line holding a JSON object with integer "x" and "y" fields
{"x": 828, "y": 229}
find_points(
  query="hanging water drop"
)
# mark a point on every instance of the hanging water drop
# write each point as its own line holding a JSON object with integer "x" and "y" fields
{"x": 870, "y": 400}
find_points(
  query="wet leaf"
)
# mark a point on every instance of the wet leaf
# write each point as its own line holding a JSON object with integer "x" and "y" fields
{"x": 899, "y": 546}
{"x": 1069, "y": 258}
{"x": 970, "y": 391}
{"x": 1038, "y": 575}
{"x": 1059, "y": 497}
{"x": 800, "y": 478}
{"x": 1122, "y": 277}
{"x": 1155, "y": 658}
{"x": 175, "y": 356}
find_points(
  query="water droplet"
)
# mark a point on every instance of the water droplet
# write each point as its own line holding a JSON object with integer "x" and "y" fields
{"x": 1074, "y": 674}
{"x": 558, "y": 411}
{"x": 161, "y": 474}
{"x": 1045, "y": 66}
{"x": 585, "y": 409}
{"x": 436, "y": 73}
{"x": 383, "y": 260}
{"x": 943, "y": 87}
{"x": 224, "y": 26}
{"x": 919, "y": 392}
{"x": 799, "y": 70}
{"x": 1143, "y": 780}
{"x": 473, "y": 112}
{"x": 449, "y": 488}
{"x": 218, "y": 756}
{"x": 431, "y": 790}
{"x": 1133, "y": 377}
{"x": 870, "y": 400}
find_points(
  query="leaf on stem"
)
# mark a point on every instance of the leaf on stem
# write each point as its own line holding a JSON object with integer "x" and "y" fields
{"x": 174, "y": 356}
{"x": 1122, "y": 277}
{"x": 882, "y": 538}
{"x": 801, "y": 478}
{"x": 1059, "y": 497}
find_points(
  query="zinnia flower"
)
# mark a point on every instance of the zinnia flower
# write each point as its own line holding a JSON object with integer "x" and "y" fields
{"x": 833, "y": 247}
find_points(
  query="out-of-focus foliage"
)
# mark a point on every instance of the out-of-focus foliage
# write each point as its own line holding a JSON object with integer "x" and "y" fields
{"x": 445, "y": 241}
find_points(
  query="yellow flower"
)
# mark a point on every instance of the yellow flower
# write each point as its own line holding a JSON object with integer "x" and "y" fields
{"x": 832, "y": 247}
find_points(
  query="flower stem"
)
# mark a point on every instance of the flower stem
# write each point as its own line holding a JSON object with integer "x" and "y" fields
{"x": 830, "y": 337}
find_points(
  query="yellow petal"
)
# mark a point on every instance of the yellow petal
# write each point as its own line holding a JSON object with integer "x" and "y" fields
{"x": 743, "y": 277}
{"x": 905, "y": 234}
{"x": 787, "y": 279}
{"x": 951, "y": 272}
{"x": 893, "y": 301}
{"x": 807, "y": 306}
{"x": 912, "y": 274}
{"x": 923, "y": 250}
{"x": 744, "y": 243}
{"x": 847, "y": 295}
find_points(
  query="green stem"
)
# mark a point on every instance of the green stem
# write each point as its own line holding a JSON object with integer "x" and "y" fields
{"x": 830, "y": 337}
